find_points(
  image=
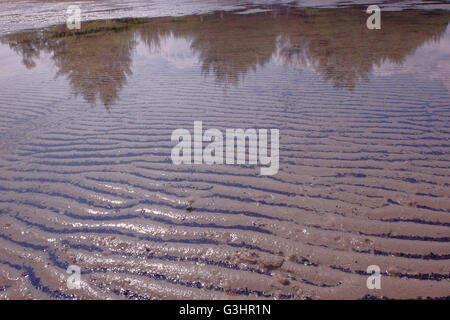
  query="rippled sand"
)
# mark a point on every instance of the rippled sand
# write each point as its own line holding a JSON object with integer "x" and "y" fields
{"x": 86, "y": 177}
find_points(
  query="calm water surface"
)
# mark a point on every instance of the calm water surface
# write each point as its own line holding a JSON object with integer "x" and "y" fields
{"x": 86, "y": 177}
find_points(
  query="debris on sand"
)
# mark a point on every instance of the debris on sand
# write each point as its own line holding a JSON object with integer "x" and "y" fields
{"x": 190, "y": 202}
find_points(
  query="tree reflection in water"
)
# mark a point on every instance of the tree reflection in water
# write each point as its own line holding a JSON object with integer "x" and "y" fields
{"x": 335, "y": 43}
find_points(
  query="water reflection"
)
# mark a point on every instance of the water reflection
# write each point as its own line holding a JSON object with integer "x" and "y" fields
{"x": 333, "y": 42}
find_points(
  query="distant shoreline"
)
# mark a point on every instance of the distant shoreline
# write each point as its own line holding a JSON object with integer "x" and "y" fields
{"x": 20, "y": 16}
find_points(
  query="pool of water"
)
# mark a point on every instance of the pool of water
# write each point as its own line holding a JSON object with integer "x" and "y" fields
{"x": 86, "y": 176}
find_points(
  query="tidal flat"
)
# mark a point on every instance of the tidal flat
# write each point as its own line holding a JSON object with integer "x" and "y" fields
{"x": 86, "y": 176}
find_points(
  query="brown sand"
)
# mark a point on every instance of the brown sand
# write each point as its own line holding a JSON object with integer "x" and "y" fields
{"x": 363, "y": 178}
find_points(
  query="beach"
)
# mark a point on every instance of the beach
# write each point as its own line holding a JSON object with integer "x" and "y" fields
{"x": 87, "y": 178}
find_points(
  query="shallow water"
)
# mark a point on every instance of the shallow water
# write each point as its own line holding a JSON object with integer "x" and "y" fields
{"x": 18, "y": 15}
{"x": 86, "y": 176}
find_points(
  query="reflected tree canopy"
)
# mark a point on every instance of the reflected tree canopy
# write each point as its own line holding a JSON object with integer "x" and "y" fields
{"x": 335, "y": 43}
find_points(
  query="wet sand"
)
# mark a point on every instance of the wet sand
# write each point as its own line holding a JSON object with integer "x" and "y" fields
{"x": 86, "y": 177}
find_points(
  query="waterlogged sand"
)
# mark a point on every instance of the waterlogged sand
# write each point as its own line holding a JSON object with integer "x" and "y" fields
{"x": 86, "y": 177}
